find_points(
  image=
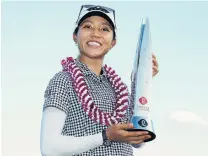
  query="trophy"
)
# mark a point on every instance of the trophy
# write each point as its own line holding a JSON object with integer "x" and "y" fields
{"x": 141, "y": 80}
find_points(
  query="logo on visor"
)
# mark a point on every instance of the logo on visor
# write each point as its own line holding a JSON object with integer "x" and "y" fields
{"x": 98, "y": 8}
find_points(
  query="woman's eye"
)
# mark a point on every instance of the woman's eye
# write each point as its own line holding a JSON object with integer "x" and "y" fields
{"x": 105, "y": 29}
{"x": 87, "y": 26}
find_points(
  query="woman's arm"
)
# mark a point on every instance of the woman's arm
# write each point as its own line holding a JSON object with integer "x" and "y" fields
{"x": 55, "y": 144}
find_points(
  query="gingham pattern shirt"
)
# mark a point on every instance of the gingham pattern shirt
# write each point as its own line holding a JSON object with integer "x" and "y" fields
{"x": 60, "y": 94}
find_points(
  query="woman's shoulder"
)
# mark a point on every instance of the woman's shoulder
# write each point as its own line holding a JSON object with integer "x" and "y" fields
{"x": 61, "y": 77}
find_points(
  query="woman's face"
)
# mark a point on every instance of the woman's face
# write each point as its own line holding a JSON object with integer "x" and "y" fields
{"x": 94, "y": 37}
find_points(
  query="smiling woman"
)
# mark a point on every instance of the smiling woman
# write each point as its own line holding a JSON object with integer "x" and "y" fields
{"x": 94, "y": 38}
{"x": 87, "y": 107}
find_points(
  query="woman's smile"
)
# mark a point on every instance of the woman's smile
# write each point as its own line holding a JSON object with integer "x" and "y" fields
{"x": 94, "y": 44}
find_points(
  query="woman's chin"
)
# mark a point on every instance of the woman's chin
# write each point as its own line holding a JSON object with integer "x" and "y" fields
{"x": 95, "y": 54}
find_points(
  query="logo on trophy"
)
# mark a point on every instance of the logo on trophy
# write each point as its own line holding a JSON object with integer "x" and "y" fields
{"x": 141, "y": 80}
{"x": 143, "y": 123}
{"x": 143, "y": 100}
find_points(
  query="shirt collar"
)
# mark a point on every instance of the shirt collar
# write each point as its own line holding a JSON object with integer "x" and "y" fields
{"x": 86, "y": 71}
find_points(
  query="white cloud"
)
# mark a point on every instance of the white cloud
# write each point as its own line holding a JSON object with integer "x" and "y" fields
{"x": 189, "y": 117}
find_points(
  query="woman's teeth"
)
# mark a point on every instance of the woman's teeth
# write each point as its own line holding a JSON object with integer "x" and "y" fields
{"x": 92, "y": 43}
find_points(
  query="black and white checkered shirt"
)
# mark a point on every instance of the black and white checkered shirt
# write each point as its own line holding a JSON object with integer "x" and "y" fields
{"x": 60, "y": 94}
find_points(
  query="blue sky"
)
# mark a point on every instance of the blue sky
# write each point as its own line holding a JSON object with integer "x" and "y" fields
{"x": 37, "y": 35}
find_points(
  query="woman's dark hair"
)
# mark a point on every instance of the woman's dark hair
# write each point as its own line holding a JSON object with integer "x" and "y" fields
{"x": 77, "y": 28}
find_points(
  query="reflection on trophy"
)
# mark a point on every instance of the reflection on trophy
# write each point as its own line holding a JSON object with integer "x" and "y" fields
{"x": 141, "y": 83}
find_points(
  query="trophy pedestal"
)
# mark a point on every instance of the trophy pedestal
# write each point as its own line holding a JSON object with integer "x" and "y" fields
{"x": 143, "y": 124}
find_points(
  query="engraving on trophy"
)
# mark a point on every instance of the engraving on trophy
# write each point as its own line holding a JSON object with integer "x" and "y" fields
{"x": 144, "y": 108}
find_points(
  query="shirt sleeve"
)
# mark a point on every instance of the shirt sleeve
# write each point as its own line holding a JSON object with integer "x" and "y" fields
{"x": 57, "y": 92}
{"x": 54, "y": 144}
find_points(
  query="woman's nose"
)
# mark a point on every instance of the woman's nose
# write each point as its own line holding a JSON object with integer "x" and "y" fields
{"x": 95, "y": 33}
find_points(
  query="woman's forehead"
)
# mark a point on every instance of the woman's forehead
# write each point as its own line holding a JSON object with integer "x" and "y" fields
{"x": 97, "y": 19}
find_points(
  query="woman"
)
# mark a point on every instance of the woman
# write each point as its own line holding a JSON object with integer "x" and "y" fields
{"x": 87, "y": 109}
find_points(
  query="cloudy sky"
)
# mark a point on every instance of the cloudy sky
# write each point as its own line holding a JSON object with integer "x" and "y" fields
{"x": 37, "y": 35}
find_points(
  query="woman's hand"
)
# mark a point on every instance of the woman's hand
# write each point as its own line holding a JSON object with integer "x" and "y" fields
{"x": 117, "y": 132}
{"x": 155, "y": 66}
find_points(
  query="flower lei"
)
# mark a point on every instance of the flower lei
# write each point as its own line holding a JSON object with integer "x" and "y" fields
{"x": 81, "y": 88}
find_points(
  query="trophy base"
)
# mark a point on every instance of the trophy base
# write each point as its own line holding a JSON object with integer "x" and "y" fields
{"x": 153, "y": 136}
{"x": 143, "y": 124}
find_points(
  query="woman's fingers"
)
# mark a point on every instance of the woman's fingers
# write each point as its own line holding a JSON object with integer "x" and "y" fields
{"x": 154, "y": 61}
{"x": 139, "y": 138}
{"x": 136, "y": 142}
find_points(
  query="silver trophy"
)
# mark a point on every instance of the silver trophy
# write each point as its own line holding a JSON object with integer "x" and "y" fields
{"x": 141, "y": 83}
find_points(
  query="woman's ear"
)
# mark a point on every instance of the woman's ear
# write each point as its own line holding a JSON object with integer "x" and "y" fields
{"x": 113, "y": 43}
{"x": 75, "y": 38}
